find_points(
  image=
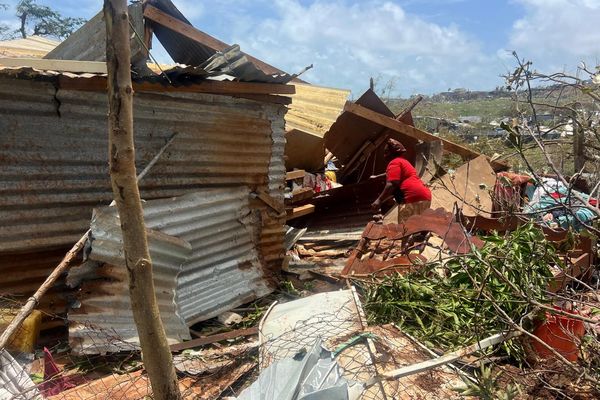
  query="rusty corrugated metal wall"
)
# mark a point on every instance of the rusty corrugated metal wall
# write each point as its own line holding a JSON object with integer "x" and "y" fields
{"x": 53, "y": 160}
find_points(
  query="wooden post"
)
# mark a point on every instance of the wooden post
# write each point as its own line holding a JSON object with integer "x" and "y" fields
{"x": 158, "y": 361}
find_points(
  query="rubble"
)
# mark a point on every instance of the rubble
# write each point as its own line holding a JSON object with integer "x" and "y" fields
{"x": 227, "y": 220}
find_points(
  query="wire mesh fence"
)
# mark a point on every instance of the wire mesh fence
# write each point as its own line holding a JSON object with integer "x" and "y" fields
{"x": 52, "y": 370}
{"x": 362, "y": 353}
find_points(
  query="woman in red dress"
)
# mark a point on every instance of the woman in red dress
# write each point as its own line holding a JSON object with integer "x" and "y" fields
{"x": 403, "y": 183}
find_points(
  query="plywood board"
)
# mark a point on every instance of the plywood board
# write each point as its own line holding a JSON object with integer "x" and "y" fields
{"x": 469, "y": 187}
{"x": 304, "y": 150}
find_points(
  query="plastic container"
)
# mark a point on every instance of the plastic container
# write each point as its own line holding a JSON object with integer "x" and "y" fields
{"x": 561, "y": 333}
{"x": 25, "y": 338}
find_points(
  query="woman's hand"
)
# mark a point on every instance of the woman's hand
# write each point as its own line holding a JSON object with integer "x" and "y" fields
{"x": 376, "y": 205}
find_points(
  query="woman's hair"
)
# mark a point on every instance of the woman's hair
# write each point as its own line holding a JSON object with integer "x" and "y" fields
{"x": 395, "y": 147}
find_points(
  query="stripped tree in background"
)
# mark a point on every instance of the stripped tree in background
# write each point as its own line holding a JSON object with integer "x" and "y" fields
{"x": 573, "y": 101}
{"x": 36, "y": 19}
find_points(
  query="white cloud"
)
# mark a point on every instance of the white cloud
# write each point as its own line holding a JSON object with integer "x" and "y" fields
{"x": 557, "y": 33}
{"x": 350, "y": 41}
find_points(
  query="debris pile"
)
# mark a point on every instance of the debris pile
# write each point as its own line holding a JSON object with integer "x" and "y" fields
{"x": 274, "y": 277}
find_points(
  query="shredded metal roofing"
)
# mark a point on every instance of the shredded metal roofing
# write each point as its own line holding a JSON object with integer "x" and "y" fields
{"x": 230, "y": 65}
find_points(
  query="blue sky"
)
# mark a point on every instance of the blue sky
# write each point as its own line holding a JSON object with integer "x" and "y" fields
{"x": 427, "y": 46}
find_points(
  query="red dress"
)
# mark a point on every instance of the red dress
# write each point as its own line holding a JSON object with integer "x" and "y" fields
{"x": 401, "y": 170}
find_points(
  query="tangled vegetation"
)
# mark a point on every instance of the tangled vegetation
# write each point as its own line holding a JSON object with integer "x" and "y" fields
{"x": 467, "y": 298}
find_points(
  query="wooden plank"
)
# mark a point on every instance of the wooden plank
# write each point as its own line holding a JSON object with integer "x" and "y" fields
{"x": 98, "y": 84}
{"x": 213, "y": 339}
{"x": 156, "y": 15}
{"x": 576, "y": 267}
{"x": 92, "y": 67}
{"x": 413, "y": 132}
{"x": 270, "y": 201}
{"x": 301, "y": 194}
{"x": 295, "y": 174}
{"x": 301, "y": 211}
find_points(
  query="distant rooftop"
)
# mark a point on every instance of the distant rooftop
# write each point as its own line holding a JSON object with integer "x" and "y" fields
{"x": 31, "y": 47}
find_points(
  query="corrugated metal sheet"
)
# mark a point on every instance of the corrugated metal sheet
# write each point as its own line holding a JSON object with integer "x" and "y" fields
{"x": 53, "y": 154}
{"x": 312, "y": 112}
{"x": 88, "y": 43}
{"x": 30, "y": 47}
{"x": 235, "y": 63}
{"x": 53, "y": 160}
{"x": 222, "y": 271}
{"x": 314, "y": 108}
{"x": 105, "y": 310}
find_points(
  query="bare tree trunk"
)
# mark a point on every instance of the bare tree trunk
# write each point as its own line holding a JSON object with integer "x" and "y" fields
{"x": 157, "y": 356}
{"x": 23, "y": 18}
{"x": 578, "y": 145}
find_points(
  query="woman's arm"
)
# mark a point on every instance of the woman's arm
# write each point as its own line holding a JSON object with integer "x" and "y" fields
{"x": 388, "y": 191}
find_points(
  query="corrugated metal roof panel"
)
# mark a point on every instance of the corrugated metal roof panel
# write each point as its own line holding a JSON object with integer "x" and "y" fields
{"x": 222, "y": 271}
{"x": 232, "y": 61}
{"x": 88, "y": 43}
{"x": 314, "y": 108}
{"x": 32, "y": 46}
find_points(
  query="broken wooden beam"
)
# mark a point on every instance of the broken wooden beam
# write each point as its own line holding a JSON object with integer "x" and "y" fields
{"x": 295, "y": 174}
{"x": 213, "y": 339}
{"x": 411, "y": 131}
{"x": 301, "y": 211}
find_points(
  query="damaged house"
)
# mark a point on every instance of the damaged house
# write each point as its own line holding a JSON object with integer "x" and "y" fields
{"x": 213, "y": 198}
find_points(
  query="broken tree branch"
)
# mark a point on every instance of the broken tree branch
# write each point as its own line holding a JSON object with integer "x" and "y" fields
{"x": 442, "y": 360}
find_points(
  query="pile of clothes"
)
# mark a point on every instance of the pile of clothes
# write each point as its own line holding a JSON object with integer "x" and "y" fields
{"x": 553, "y": 203}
